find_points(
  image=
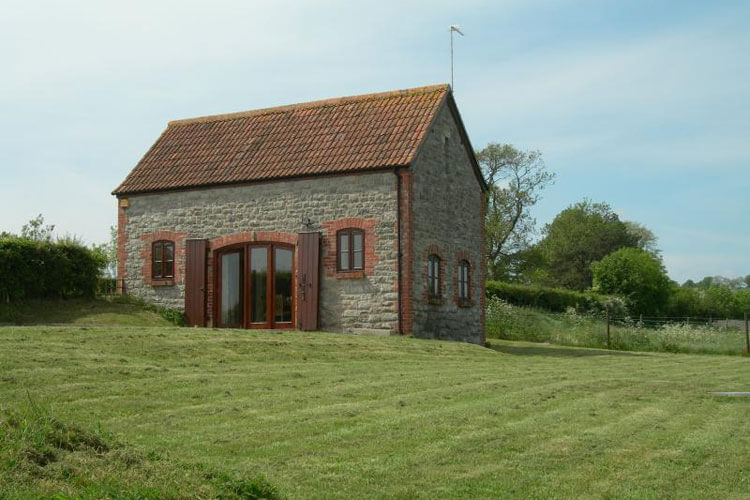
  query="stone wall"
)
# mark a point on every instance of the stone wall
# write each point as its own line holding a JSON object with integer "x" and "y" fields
{"x": 447, "y": 219}
{"x": 366, "y": 302}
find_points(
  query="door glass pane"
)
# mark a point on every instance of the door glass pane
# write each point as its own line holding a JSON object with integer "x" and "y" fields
{"x": 231, "y": 305}
{"x": 258, "y": 283}
{"x": 282, "y": 301}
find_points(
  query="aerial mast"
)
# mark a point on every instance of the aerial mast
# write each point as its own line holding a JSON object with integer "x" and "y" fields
{"x": 453, "y": 29}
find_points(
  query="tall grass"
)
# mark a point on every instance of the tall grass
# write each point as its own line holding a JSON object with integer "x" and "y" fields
{"x": 43, "y": 457}
{"x": 505, "y": 321}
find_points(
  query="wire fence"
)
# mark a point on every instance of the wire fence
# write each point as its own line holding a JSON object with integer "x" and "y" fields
{"x": 661, "y": 322}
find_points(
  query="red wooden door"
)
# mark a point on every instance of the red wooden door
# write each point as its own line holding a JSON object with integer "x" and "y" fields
{"x": 308, "y": 269}
{"x": 195, "y": 282}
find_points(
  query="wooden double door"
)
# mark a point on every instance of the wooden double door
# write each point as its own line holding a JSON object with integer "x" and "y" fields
{"x": 255, "y": 286}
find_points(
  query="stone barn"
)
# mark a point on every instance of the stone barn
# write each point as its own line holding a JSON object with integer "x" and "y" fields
{"x": 356, "y": 214}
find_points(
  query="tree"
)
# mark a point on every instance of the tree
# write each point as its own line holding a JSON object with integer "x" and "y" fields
{"x": 636, "y": 275}
{"x": 645, "y": 239}
{"x": 36, "y": 230}
{"x": 108, "y": 252}
{"x": 578, "y": 236}
{"x": 515, "y": 179}
{"x": 719, "y": 301}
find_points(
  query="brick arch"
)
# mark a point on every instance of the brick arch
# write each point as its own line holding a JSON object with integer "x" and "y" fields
{"x": 251, "y": 237}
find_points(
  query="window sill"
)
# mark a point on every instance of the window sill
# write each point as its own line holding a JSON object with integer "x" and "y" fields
{"x": 349, "y": 275}
{"x": 435, "y": 301}
{"x": 464, "y": 303}
{"x": 162, "y": 282}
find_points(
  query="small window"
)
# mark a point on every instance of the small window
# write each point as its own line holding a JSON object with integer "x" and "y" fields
{"x": 162, "y": 259}
{"x": 351, "y": 250}
{"x": 433, "y": 276}
{"x": 463, "y": 281}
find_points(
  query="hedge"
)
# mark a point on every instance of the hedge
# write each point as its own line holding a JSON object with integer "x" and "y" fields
{"x": 41, "y": 269}
{"x": 556, "y": 299}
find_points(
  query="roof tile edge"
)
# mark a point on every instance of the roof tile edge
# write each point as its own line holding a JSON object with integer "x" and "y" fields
{"x": 335, "y": 101}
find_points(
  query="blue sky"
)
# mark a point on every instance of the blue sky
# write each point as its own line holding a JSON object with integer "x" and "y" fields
{"x": 642, "y": 104}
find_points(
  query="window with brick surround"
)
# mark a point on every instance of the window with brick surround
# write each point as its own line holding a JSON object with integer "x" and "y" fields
{"x": 350, "y": 250}
{"x": 463, "y": 281}
{"x": 433, "y": 276}
{"x": 162, "y": 259}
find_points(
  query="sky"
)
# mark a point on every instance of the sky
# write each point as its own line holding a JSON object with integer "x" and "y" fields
{"x": 644, "y": 105}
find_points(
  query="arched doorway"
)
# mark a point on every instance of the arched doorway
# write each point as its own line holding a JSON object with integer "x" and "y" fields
{"x": 254, "y": 286}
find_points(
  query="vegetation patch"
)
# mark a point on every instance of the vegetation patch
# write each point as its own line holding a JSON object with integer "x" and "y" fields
{"x": 42, "y": 457}
{"x": 113, "y": 311}
{"x": 342, "y": 416}
{"x": 555, "y": 299}
{"x": 505, "y": 321}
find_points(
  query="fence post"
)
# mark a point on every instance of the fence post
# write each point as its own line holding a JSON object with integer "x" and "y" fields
{"x": 747, "y": 335}
{"x": 609, "y": 346}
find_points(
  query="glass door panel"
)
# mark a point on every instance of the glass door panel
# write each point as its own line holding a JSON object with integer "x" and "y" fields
{"x": 282, "y": 272}
{"x": 258, "y": 284}
{"x": 231, "y": 289}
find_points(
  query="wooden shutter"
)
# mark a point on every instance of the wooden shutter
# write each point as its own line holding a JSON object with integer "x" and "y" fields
{"x": 308, "y": 269}
{"x": 195, "y": 282}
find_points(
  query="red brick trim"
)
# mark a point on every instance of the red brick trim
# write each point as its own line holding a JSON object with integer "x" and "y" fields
{"x": 122, "y": 254}
{"x": 434, "y": 250}
{"x": 252, "y": 237}
{"x": 407, "y": 253}
{"x": 179, "y": 257}
{"x": 329, "y": 246}
{"x": 461, "y": 256}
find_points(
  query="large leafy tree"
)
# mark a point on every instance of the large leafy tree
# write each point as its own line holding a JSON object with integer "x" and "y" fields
{"x": 516, "y": 179}
{"x": 645, "y": 239}
{"x": 579, "y": 236}
{"x": 636, "y": 275}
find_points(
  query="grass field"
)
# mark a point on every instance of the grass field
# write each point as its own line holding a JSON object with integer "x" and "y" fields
{"x": 505, "y": 321}
{"x": 340, "y": 416}
{"x": 99, "y": 312}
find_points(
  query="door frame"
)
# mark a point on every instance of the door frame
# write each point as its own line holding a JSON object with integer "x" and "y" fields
{"x": 245, "y": 285}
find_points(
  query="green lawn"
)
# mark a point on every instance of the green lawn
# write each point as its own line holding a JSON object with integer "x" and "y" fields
{"x": 341, "y": 416}
{"x": 92, "y": 312}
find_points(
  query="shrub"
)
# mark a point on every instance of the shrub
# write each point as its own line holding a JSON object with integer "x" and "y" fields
{"x": 556, "y": 299}
{"x": 636, "y": 275}
{"x": 42, "y": 269}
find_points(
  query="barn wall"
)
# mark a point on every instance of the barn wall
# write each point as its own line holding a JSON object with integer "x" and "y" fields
{"x": 448, "y": 221}
{"x": 347, "y": 303}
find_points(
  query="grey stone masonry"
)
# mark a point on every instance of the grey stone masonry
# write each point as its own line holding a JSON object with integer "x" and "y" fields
{"x": 367, "y": 303}
{"x": 448, "y": 222}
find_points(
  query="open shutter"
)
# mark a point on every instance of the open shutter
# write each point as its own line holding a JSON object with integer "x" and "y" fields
{"x": 308, "y": 269}
{"x": 195, "y": 282}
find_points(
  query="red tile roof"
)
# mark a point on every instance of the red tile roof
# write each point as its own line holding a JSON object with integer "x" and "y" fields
{"x": 346, "y": 134}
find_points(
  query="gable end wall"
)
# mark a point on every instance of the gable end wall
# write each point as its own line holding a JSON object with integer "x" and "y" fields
{"x": 448, "y": 221}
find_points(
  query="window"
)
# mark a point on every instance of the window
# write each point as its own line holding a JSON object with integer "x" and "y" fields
{"x": 351, "y": 250}
{"x": 433, "y": 276}
{"x": 463, "y": 281}
{"x": 162, "y": 260}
